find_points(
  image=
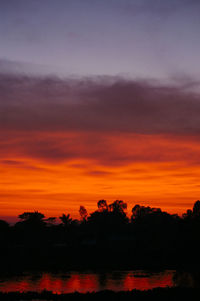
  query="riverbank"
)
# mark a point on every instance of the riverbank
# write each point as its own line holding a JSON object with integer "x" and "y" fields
{"x": 136, "y": 295}
{"x": 67, "y": 258}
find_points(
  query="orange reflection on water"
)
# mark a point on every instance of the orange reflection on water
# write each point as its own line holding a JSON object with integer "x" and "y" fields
{"x": 88, "y": 281}
{"x": 144, "y": 282}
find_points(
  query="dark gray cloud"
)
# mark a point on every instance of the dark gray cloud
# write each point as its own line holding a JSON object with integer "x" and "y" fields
{"x": 107, "y": 120}
{"x": 98, "y": 104}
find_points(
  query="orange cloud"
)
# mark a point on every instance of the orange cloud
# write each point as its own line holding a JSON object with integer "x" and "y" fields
{"x": 80, "y": 169}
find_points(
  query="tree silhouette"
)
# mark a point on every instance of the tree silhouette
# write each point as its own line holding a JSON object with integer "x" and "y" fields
{"x": 32, "y": 216}
{"x": 188, "y": 214}
{"x": 118, "y": 207}
{"x": 196, "y": 209}
{"x": 83, "y": 213}
{"x": 32, "y": 220}
{"x": 66, "y": 220}
{"x": 193, "y": 214}
{"x": 108, "y": 218}
{"x": 139, "y": 212}
{"x": 102, "y": 205}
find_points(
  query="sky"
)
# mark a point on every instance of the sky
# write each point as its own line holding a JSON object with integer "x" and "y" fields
{"x": 99, "y": 100}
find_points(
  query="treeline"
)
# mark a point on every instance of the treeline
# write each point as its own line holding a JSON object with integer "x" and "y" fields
{"x": 105, "y": 238}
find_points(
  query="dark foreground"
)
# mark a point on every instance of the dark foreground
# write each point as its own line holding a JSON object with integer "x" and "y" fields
{"x": 155, "y": 294}
{"x": 105, "y": 239}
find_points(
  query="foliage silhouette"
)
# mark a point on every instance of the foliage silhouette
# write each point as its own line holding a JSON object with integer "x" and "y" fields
{"x": 66, "y": 220}
{"x": 32, "y": 218}
{"x": 149, "y": 238}
{"x": 102, "y": 205}
{"x": 83, "y": 213}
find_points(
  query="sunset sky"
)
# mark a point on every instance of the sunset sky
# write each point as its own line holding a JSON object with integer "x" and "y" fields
{"x": 99, "y": 99}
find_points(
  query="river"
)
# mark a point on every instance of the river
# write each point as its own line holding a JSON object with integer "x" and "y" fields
{"x": 89, "y": 281}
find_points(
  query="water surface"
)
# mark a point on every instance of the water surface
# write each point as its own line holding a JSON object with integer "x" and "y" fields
{"x": 88, "y": 281}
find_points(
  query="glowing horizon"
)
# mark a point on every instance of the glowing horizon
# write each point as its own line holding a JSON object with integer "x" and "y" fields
{"x": 55, "y": 186}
